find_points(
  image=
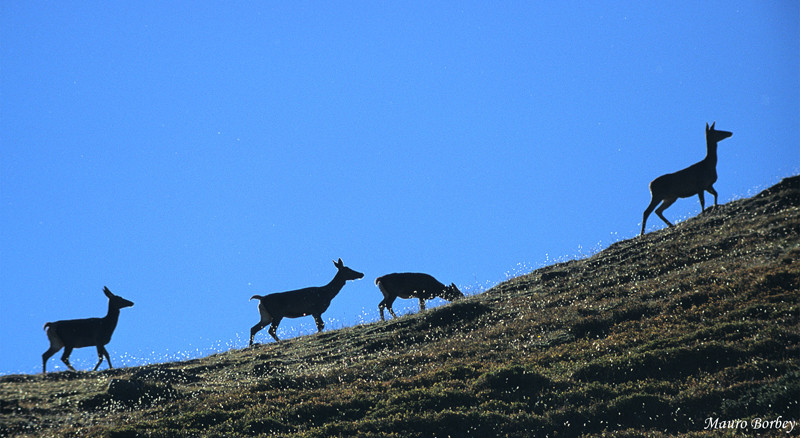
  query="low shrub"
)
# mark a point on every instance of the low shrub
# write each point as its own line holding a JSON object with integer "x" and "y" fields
{"x": 512, "y": 383}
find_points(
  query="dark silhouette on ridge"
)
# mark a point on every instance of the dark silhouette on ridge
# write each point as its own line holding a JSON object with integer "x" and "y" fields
{"x": 413, "y": 285}
{"x": 693, "y": 180}
{"x": 312, "y": 301}
{"x": 88, "y": 332}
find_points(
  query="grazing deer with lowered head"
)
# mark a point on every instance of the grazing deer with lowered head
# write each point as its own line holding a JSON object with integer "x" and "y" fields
{"x": 77, "y": 333}
{"x": 694, "y": 180}
{"x": 413, "y": 285}
{"x": 312, "y": 301}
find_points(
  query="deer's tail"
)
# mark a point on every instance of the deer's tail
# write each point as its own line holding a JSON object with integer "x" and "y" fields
{"x": 47, "y": 324}
{"x": 256, "y": 296}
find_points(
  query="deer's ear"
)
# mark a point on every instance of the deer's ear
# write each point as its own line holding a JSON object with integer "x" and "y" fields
{"x": 712, "y": 125}
{"x": 107, "y": 292}
{"x": 338, "y": 264}
{"x": 706, "y": 126}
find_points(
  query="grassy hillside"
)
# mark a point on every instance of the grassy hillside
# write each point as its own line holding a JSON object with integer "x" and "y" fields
{"x": 654, "y": 334}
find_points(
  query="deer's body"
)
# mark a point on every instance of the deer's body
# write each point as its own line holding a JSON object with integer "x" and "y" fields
{"x": 88, "y": 332}
{"x": 694, "y": 180}
{"x": 312, "y": 301}
{"x": 413, "y": 285}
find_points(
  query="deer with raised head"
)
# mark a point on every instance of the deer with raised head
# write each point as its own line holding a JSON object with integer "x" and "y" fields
{"x": 413, "y": 285}
{"x": 312, "y": 301}
{"x": 694, "y": 180}
{"x": 88, "y": 332}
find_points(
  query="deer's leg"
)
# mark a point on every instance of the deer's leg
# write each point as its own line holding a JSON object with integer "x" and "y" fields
{"x": 711, "y": 190}
{"x": 647, "y": 211}
{"x": 55, "y": 345}
{"x": 421, "y": 304}
{"x": 664, "y": 206}
{"x": 266, "y": 318}
{"x": 320, "y": 323}
{"x": 702, "y": 201}
{"x": 255, "y": 329}
{"x": 101, "y": 351}
{"x": 47, "y": 354}
{"x": 99, "y": 358}
{"x": 388, "y": 304}
{"x": 381, "y": 306}
{"x": 273, "y": 329}
{"x": 65, "y": 357}
{"x": 108, "y": 358}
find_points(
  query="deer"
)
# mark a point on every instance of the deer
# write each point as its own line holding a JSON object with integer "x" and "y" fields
{"x": 88, "y": 332}
{"x": 312, "y": 301}
{"x": 413, "y": 285}
{"x": 694, "y": 180}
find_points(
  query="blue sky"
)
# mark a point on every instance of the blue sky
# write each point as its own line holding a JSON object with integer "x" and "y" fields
{"x": 190, "y": 155}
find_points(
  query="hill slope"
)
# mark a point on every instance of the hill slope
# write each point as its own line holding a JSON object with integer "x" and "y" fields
{"x": 655, "y": 334}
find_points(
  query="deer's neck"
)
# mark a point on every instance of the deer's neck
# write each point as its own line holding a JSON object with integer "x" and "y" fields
{"x": 111, "y": 318}
{"x": 711, "y": 152}
{"x": 333, "y": 288}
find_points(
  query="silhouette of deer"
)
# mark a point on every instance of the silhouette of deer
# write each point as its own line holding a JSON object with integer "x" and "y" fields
{"x": 78, "y": 333}
{"x": 694, "y": 180}
{"x": 312, "y": 301}
{"x": 413, "y": 285}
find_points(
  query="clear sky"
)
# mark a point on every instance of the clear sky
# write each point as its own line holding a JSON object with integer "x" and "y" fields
{"x": 191, "y": 154}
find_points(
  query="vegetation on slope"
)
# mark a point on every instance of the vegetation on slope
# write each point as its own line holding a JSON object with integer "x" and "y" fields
{"x": 653, "y": 335}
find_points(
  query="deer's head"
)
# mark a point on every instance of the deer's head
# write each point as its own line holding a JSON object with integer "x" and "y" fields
{"x": 347, "y": 273}
{"x": 714, "y": 136}
{"x": 451, "y": 293}
{"x": 115, "y": 301}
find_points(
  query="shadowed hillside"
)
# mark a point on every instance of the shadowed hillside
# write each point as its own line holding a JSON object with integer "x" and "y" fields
{"x": 655, "y": 334}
